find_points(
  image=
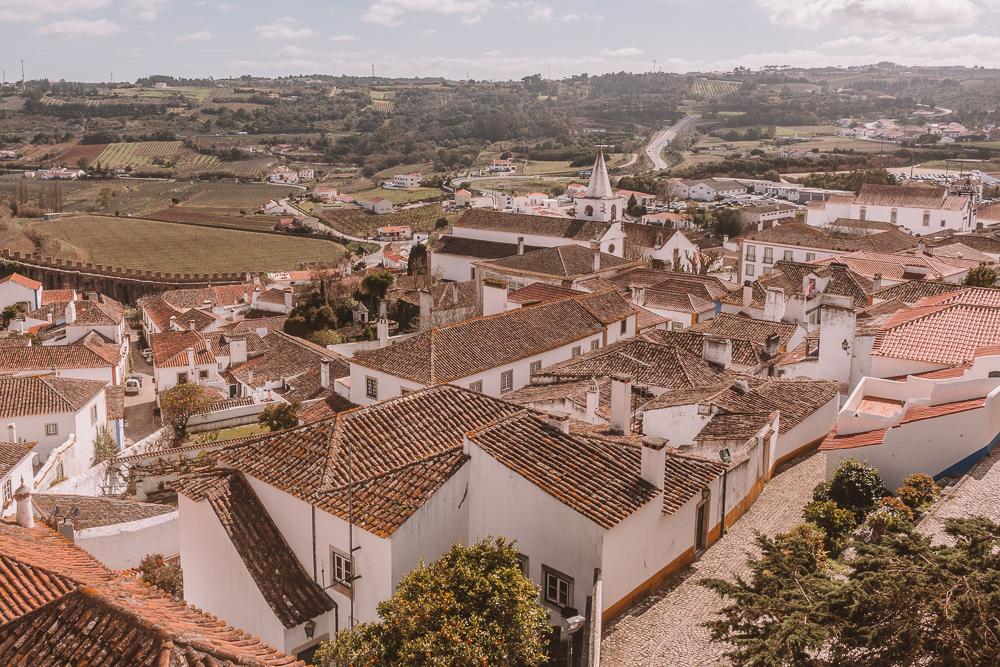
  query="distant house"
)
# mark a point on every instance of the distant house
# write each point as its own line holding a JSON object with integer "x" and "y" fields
{"x": 503, "y": 166}
{"x": 411, "y": 180}
{"x": 60, "y": 174}
{"x": 325, "y": 194}
{"x": 377, "y": 205}
{"x": 919, "y": 209}
{"x": 283, "y": 174}
{"x": 463, "y": 197}
{"x": 395, "y": 232}
{"x": 18, "y": 290}
{"x": 707, "y": 189}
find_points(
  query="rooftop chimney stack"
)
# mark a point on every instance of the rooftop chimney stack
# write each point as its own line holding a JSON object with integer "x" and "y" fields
{"x": 253, "y": 298}
{"x": 593, "y": 401}
{"x": 324, "y": 373}
{"x": 173, "y": 323}
{"x": 520, "y": 245}
{"x": 747, "y": 293}
{"x": 191, "y": 324}
{"x": 876, "y": 282}
{"x": 621, "y": 404}
{"x": 237, "y": 350}
{"x": 382, "y": 327}
{"x": 25, "y": 512}
{"x": 595, "y": 247}
{"x": 12, "y": 432}
{"x": 654, "y": 461}
{"x": 289, "y": 296}
{"x": 426, "y": 309}
{"x": 774, "y": 304}
{"x": 71, "y": 312}
{"x": 190, "y": 355}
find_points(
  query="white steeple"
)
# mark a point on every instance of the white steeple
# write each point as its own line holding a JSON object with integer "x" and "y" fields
{"x": 600, "y": 185}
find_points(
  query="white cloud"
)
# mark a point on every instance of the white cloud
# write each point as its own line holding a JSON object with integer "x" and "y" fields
{"x": 143, "y": 10}
{"x": 875, "y": 14}
{"x": 292, "y": 51}
{"x": 34, "y": 10}
{"x": 623, "y": 52}
{"x": 284, "y": 28}
{"x": 538, "y": 12}
{"x": 81, "y": 28}
{"x": 391, "y": 12}
{"x": 343, "y": 38}
{"x": 200, "y": 36}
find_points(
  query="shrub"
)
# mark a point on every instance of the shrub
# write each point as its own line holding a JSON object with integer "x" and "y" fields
{"x": 837, "y": 523}
{"x": 918, "y": 491}
{"x": 856, "y": 486}
{"x": 891, "y": 516}
{"x": 822, "y": 491}
{"x": 165, "y": 575}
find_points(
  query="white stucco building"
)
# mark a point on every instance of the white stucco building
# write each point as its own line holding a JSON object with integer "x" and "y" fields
{"x": 918, "y": 209}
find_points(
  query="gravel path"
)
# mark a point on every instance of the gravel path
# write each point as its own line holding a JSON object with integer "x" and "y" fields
{"x": 666, "y": 628}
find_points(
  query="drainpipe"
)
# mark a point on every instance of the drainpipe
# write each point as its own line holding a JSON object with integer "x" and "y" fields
{"x": 722, "y": 524}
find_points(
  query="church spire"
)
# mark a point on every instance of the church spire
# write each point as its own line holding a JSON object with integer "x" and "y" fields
{"x": 600, "y": 185}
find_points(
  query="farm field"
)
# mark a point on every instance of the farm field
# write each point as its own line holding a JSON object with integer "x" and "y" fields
{"x": 536, "y": 167}
{"x": 424, "y": 168}
{"x": 710, "y": 89}
{"x": 356, "y": 222}
{"x": 153, "y": 156}
{"x": 209, "y": 217}
{"x": 523, "y": 186}
{"x": 400, "y": 196}
{"x": 163, "y": 246}
{"x": 246, "y": 196}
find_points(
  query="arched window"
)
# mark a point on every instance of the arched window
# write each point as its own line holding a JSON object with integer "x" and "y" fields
{"x": 589, "y": 211}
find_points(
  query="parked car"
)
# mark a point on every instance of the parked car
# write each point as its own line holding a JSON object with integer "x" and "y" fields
{"x": 132, "y": 387}
{"x": 137, "y": 377}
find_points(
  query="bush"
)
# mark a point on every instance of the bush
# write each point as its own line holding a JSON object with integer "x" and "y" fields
{"x": 822, "y": 491}
{"x": 891, "y": 516}
{"x": 856, "y": 486}
{"x": 918, "y": 491}
{"x": 837, "y": 523}
{"x": 165, "y": 575}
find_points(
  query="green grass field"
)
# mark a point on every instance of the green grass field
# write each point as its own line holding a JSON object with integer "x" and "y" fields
{"x": 163, "y": 246}
{"x": 536, "y": 167}
{"x": 399, "y": 196}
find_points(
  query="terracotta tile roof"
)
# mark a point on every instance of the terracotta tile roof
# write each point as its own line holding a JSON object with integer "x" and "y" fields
{"x": 170, "y": 349}
{"x": 540, "y": 293}
{"x": 103, "y": 618}
{"x": 58, "y": 296}
{"x": 324, "y": 408}
{"x": 972, "y": 296}
{"x": 219, "y": 295}
{"x": 932, "y": 411}
{"x": 296, "y": 362}
{"x": 669, "y": 299}
{"x": 895, "y": 267}
{"x": 102, "y": 347}
{"x": 445, "y": 296}
{"x": 38, "y": 357}
{"x": 158, "y": 311}
{"x": 283, "y": 581}
{"x": 796, "y": 400}
{"x": 561, "y": 262}
{"x": 864, "y": 439}
{"x": 686, "y": 477}
{"x": 726, "y": 325}
{"x": 912, "y": 291}
{"x": 274, "y": 323}
{"x": 94, "y": 511}
{"x": 12, "y": 453}
{"x": 114, "y": 401}
{"x": 471, "y": 346}
{"x": 645, "y": 362}
{"x": 802, "y": 235}
{"x": 45, "y": 395}
{"x": 870, "y": 225}
{"x": 466, "y": 247}
{"x": 23, "y": 281}
{"x": 10, "y": 340}
{"x": 909, "y": 196}
{"x": 961, "y": 251}
{"x": 517, "y": 223}
{"x": 790, "y": 276}
{"x": 573, "y": 391}
{"x": 103, "y": 311}
{"x": 598, "y": 479}
{"x": 199, "y": 317}
{"x": 734, "y": 426}
{"x": 647, "y": 319}
{"x": 945, "y": 334}
{"x": 707, "y": 287}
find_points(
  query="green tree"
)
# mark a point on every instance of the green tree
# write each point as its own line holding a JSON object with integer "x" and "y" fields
{"x": 376, "y": 284}
{"x": 918, "y": 491}
{"x": 981, "y": 276}
{"x": 105, "y": 447}
{"x": 835, "y": 523}
{"x": 279, "y": 416}
{"x": 856, "y": 486}
{"x": 181, "y": 402}
{"x": 9, "y": 313}
{"x": 416, "y": 264}
{"x": 470, "y": 607}
{"x": 727, "y": 223}
{"x": 165, "y": 575}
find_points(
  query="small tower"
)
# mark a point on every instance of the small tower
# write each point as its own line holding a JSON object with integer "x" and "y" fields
{"x": 600, "y": 204}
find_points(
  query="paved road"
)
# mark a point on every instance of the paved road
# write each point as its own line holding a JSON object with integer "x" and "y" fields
{"x": 139, "y": 418}
{"x": 654, "y": 149}
{"x": 666, "y": 628}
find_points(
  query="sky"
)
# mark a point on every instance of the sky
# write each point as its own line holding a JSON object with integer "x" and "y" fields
{"x": 89, "y": 40}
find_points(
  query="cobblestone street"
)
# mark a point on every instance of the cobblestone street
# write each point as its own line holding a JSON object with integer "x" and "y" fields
{"x": 665, "y": 629}
{"x": 974, "y": 494}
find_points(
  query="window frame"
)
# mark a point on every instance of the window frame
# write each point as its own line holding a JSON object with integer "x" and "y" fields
{"x": 525, "y": 563}
{"x": 476, "y": 386}
{"x": 559, "y": 577}
{"x": 507, "y": 381}
{"x": 535, "y": 367}
{"x": 595, "y": 345}
{"x": 748, "y": 269}
{"x": 810, "y": 257}
{"x": 344, "y": 585}
{"x": 576, "y": 351}
{"x": 624, "y": 328}
{"x": 93, "y": 414}
{"x": 54, "y": 430}
{"x": 750, "y": 253}
{"x": 182, "y": 378}
{"x": 769, "y": 255}
{"x": 371, "y": 387}
{"x": 788, "y": 256}
{"x": 8, "y": 493}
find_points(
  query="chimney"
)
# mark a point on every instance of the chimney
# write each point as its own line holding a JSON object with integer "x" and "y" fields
{"x": 593, "y": 400}
{"x": 621, "y": 404}
{"x": 324, "y": 373}
{"x": 48, "y": 317}
{"x": 494, "y": 296}
{"x": 771, "y": 344}
{"x": 774, "y": 304}
{"x": 747, "y": 293}
{"x": 595, "y": 247}
{"x": 717, "y": 352}
{"x": 25, "y": 512}
{"x": 253, "y": 298}
{"x": 520, "y": 245}
{"x": 173, "y": 322}
{"x": 191, "y": 324}
{"x": 382, "y": 327}
{"x": 237, "y": 349}
{"x": 190, "y": 353}
{"x": 876, "y": 282}
{"x": 426, "y": 309}
{"x": 12, "y": 432}
{"x": 638, "y": 295}
{"x": 920, "y": 246}
{"x": 654, "y": 461}
{"x": 289, "y": 296}
{"x": 250, "y": 376}
{"x": 71, "y": 312}
{"x": 559, "y": 420}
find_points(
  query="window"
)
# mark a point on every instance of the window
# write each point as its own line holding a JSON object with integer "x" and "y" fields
{"x": 611, "y": 248}
{"x": 704, "y": 409}
{"x": 7, "y": 495}
{"x": 577, "y": 351}
{"x": 893, "y": 214}
{"x": 769, "y": 255}
{"x": 863, "y": 213}
{"x": 810, "y": 256}
{"x": 788, "y": 256}
{"x": 52, "y": 429}
{"x": 182, "y": 378}
{"x": 748, "y": 269}
{"x": 476, "y": 387}
{"x": 594, "y": 344}
{"x": 523, "y": 561}
{"x": 203, "y": 374}
{"x": 624, "y": 329}
{"x": 752, "y": 253}
{"x": 93, "y": 414}
{"x": 677, "y": 326}
{"x": 536, "y": 366}
{"x": 506, "y": 381}
{"x": 371, "y": 387}
{"x": 927, "y": 218}
{"x": 340, "y": 568}
{"x": 558, "y": 587}
{"x": 942, "y": 223}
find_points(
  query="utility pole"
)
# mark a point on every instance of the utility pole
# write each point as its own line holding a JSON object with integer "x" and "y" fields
{"x": 373, "y": 70}
{"x": 22, "y": 75}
